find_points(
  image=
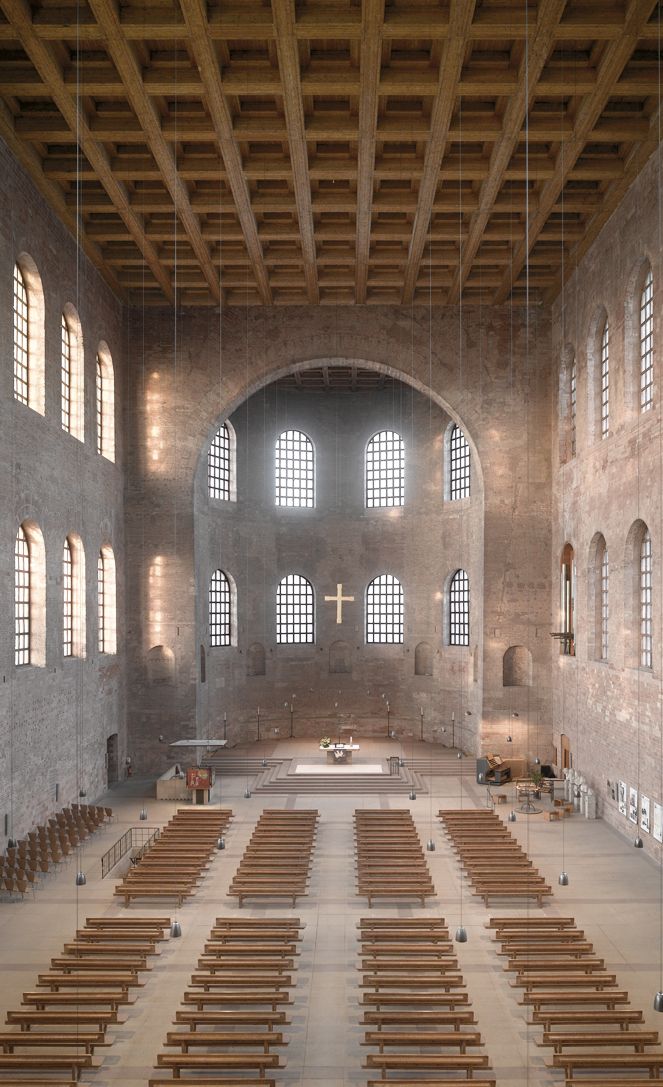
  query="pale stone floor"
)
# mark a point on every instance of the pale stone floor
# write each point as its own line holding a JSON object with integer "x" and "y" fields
{"x": 614, "y": 894}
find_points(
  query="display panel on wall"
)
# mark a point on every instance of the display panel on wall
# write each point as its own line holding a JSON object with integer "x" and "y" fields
{"x": 621, "y": 795}
{"x": 644, "y": 814}
{"x": 658, "y": 822}
{"x": 633, "y": 804}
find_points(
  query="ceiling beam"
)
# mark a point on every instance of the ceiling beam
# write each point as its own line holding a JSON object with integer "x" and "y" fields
{"x": 287, "y": 48}
{"x": 615, "y": 57}
{"x": 50, "y": 73}
{"x": 531, "y": 66}
{"x": 195, "y": 15}
{"x": 123, "y": 57}
{"x": 370, "y": 61}
{"x": 462, "y": 13}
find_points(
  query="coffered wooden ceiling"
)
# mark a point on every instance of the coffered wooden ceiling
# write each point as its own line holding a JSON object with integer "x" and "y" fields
{"x": 331, "y": 151}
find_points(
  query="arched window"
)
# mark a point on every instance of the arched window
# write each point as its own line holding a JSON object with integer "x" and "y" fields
{"x": 647, "y": 343}
{"x": 295, "y": 610}
{"x": 71, "y": 373}
{"x": 73, "y": 598}
{"x": 21, "y": 598}
{"x": 106, "y": 601}
{"x": 21, "y": 341}
{"x": 294, "y": 470}
{"x": 220, "y": 610}
{"x": 105, "y": 404}
{"x": 384, "y": 610}
{"x": 604, "y": 599}
{"x": 28, "y": 334}
{"x": 646, "y": 601}
{"x": 385, "y": 470}
{"x": 573, "y": 397}
{"x": 221, "y": 464}
{"x": 605, "y": 381}
{"x": 567, "y": 601}
{"x": 459, "y": 609}
{"x": 459, "y": 464}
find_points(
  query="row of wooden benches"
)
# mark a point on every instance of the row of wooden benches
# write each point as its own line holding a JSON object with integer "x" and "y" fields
{"x": 389, "y": 859}
{"x": 494, "y": 862}
{"x": 232, "y": 1017}
{"x": 65, "y": 1019}
{"x": 416, "y": 1007}
{"x": 587, "y": 1021}
{"x": 277, "y": 861}
{"x": 177, "y": 861}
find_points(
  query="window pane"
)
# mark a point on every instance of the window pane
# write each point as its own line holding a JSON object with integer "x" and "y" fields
{"x": 21, "y": 599}
{"x": 100, "y": 408}
{"x": 605, "y": 381}
{"x": 459, "y": 470}
{"x": 646, "y": 602}
{"x": 65, "y": 371}
{"x": 385, "y": 470}
{"x": 647, "y": 343}
{"x": 295, "y": 470}
{"x": 384, "y": 610}
{"x": 295, "y": 610}
{"x": 573, "y": 409}
{"x": 21, "y": 313}
{"x": 219, "y": 609}
{"x": 604, "y": 604}
{"x": 67, "y": 601}
{"x": 459, "y": 609}
{"x": 101, "y": 603}
{"x": 218, "y": 464}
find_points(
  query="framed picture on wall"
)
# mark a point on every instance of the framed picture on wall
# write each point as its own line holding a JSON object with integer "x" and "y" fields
{"x": 633, "y": 804}
{"x": 644, "y": 814}
{"x": 658, "y": 822}
{"x": 621, "y": 796}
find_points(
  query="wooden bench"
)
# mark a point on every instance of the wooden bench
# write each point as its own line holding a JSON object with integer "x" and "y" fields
{"x": 458, "y": 1038}
{"x": 527, "y": 979}
{"x": 244, "y": 998}
{"x": 111, "y": 999}
{"x": 71, "y": 1063}
{"x": 609, "y": 998}
{"x": 186, "y": 1039}
{"x": 86, "y": 1040}
{"x": 535, "y": 922}
{"x": 206, "y": 1062}
{"x": 430, "y": 982}
{"x": 561, "y": 1040}
{"x": 415, "y": 1000}
{"x": 217, "y": 1081}
{"x": 622, "y": 1018}
{"x": 122, "y": 981}
{"x": 447, "y": 1062}
{"x": 455, "y": 1019}
{"x": 66, "y": 963}
{"x": 607, "y": 1062}
{"x": 555, "y": 964}
{"x": 272, "y": 980}
{"x": 28, "y": 1019}
{"x": 194, "y": 1019}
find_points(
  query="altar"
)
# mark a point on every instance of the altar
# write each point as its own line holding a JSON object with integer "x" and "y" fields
{"x": 340, "y": 752}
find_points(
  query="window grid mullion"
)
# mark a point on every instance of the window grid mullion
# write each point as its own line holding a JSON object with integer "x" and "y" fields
{"x": 459, "y": 609}
{"x": 21, "y": 342}
{"x": 605, "y": 381}
{"x": 21, "y": 599}
{"x": 295, "y": 611}
{"x": 647, "y": 343}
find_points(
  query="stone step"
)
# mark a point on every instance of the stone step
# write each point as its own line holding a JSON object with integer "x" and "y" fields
{"x": 282, "y": 780}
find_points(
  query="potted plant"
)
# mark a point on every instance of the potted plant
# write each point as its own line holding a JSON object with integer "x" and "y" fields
{"x": 325, "y": 742}
{"x": 536, "y": 778}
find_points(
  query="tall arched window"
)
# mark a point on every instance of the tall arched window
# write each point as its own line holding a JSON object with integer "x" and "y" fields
{"x": 106, "y": 601}
{"x": 384, "y": 610}
{"x": 21, "y": 313}
{"x": 71, "y": 373}
{"x": 221, "y": 464}
{"x": 647, "y": 343}
{"x": 604, "y": 598}
{"x": 294, "y": 470}
{"x": 73, "y": 598}
{"x": 385, "y": 470}
{"x": 567, "y": 601}
{"x": 573, "y": 394}
{"x": 220, "y": 610}
{"x": 295, "y": 610}
{"x": 105, "y": 403}
{"x": 646, "y": 601}
{"x": 28, "y": 333}
{"x": 459, "y": 609}
{"x": 459, "y": 464}
{"x": 605, "y": 381}
{"x": 21, "y": 598}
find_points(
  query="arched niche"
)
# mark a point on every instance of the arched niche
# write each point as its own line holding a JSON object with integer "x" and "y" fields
{"x": 161, "y": 666}
{"x": 423, "y": 659}
{"x": 340, "y": 657}
{"x": 517, "y": 667}
{"x": 255, "y": 665}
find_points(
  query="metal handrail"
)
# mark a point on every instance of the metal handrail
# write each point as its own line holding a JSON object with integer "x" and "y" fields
{"x": 134, "y": 837}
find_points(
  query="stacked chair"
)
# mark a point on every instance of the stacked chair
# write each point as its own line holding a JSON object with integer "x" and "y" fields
{"x": 64, "y": 1020}
{"x": 233, "y": 1013}
{"x": 177, "y": 861}
{"x": 49, "y": 845}
{"x": 389, "y": 858}
{"x": 493, "y": 860}
{"x": 277, "y": 861}
{"x": 416, "y": 1007}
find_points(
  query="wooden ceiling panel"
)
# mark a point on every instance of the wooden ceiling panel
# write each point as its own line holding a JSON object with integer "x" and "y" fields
{"x": 332, "y": 151}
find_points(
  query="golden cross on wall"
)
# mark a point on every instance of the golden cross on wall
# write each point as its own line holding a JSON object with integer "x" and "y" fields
{"x": 340, "y": 600}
